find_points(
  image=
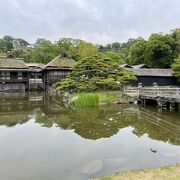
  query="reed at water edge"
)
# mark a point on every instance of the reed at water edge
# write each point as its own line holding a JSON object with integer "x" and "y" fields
{"x": 87, "y": 100}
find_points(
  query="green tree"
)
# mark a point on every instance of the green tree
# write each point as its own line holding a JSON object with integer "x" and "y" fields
{"x": 92, "y": 73}
{"x": 19, "y": 43}
{"x": 69, "y": 46}
{"x": 2, "y": 45}
{"x": 8, "y": 42}
{"x": 120, "y": 48}
{"x": 43, "y": 53}
{"x": 137, "y": 52}
{"x": 115, "y": 56}
{"x": 160, "y": 51}
{"x": 176, "y": 35}
{"x": 176, "y": 68}
{"x": 116, "y": 46}
{"x": 85, "y": 49}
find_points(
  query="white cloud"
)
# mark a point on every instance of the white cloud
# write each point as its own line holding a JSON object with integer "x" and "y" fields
{"x": 97, "y": 21}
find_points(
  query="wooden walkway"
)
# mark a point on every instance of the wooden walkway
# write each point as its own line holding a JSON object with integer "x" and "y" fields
{"x": 163, "y": 96}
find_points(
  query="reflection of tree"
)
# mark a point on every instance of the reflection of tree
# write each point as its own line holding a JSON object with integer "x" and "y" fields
{"x": 104, "y": 122}
{"x": 91, "y": 123}
{"x": 95, "y": 123}
{"x": 42, "y": 119}
{"x": 163, "y": 127}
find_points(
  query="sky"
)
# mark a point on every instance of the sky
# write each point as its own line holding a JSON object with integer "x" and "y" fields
{"x": 96, "y": 21}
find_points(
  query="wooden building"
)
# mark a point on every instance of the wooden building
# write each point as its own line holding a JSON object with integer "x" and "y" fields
{"x": 57, "y": 69}
{"x": 162, "y": 77}
{"x": 36, "y": 76}
{"x": 14, "y": 75}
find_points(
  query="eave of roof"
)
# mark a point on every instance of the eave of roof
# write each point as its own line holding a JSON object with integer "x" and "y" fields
{"x": 152, "y": 72}
{"x": 9, "y": 69}
{"x": 141, "y": 66}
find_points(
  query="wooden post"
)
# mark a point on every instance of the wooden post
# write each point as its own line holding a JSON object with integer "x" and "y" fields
{"x": 176, "y": 106}
{"x": 47, "y": 81}
{"x": 168, "y": 105}
{"x": 28, "y": 81}
{"x": 144, "y": 102}
{"x": 11, "y": 86}
{"x": 34, "y": 78}
{"x": 44, "y": 80}
{"x": 20, "y": 87}
{"x": 159, "y": 102}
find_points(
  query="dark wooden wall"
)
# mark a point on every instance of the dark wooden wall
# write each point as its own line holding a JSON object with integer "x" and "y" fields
{"x": 149, "y": 80}
{"x": 53, "y": 76}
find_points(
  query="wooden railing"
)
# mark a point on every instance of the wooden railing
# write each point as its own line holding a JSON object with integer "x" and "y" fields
{"x": 165, "y": 91}
{"x": 132, "y": 91}
{"x": 160, "y": 91}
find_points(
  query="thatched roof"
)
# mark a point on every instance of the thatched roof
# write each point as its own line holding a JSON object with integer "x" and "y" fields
{"x": 152, "y": 72}
{"x": 141, "y": 66}
{"x": 62, "y": 61}
{"x": 35, "y": 65}
{"x": 12, "y": 63}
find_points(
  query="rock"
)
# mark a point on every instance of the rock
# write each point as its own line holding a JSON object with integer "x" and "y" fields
{"x": 121, "y": 102}
{"x": 66, "y": 95}
{"x": 110, "y": 119}
{"x": 102, "y": 104}
{"x": 74, "y": 99}
{"x": 93, "y": 167}
{"x": 136, "y": 102}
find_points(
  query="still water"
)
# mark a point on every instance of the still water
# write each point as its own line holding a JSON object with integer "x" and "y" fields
{"x": 40, "y": 139}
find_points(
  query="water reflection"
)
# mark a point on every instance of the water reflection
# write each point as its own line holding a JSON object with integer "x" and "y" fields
{"x": 102, "y": 122}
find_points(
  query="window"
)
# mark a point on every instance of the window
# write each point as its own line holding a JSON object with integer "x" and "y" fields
{"x": 24, "y": 75}
{"x": 13, "y": 75}
{"x": 19, "y": 75}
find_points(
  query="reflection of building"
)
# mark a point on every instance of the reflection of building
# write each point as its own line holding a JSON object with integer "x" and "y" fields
{"x": 17, "y": 108}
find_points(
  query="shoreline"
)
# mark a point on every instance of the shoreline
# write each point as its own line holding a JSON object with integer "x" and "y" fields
{"x": 160, "y": 173}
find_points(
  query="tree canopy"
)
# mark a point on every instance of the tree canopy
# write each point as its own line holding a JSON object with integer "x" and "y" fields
{"x": 136, "y": 53}
{"x": 158, "y": 51}
{"x": 176, "y": 68}
{"x": 96, "y": 72}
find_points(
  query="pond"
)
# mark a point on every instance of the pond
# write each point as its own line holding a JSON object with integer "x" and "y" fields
{"x": 41, "y": 139}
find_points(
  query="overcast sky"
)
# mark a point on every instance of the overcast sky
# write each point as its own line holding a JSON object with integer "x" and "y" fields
{"x": 97, "y": 21}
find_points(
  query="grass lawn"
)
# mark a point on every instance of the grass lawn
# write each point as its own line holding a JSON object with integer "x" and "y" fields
{"x": 165, "y": 173}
